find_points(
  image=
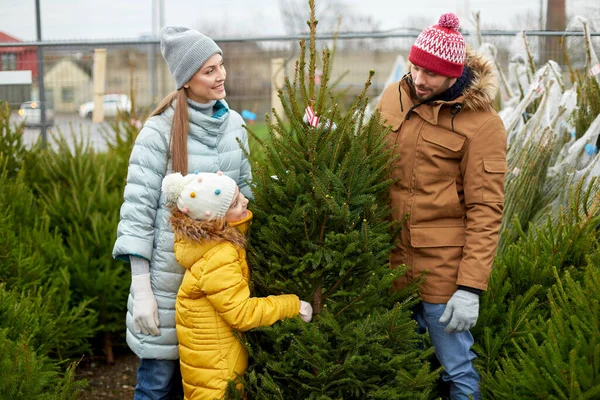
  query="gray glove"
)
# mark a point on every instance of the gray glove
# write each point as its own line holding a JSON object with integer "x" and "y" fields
{"x": 462, "y": 311}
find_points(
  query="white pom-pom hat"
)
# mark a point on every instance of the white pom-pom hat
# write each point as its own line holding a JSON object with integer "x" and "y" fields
{"x": 200, "y": 195}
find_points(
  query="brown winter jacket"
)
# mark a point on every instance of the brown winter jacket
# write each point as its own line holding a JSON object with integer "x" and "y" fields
{"x": 450, "y": 181}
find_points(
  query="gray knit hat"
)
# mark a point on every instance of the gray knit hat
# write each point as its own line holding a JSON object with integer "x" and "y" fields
{"x": 185, "y": 51}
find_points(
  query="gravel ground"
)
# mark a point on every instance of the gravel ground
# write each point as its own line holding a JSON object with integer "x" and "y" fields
{"x": 109, "y": 381}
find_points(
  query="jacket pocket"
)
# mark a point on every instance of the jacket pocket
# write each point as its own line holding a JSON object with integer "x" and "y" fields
{"x": 440, "y": 152}
{"x": 444, "y": 138}
{"x": 392, "y": 120}
{"x": 494, "y": 171}
{"x": 436, "y": 198}
{"x": 437, "y": 236}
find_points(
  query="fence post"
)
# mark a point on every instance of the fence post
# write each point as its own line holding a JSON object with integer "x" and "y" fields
{"x": 99, "y": 84}
{"x": 277, "y": 76}
{"x": 40, "y": 76}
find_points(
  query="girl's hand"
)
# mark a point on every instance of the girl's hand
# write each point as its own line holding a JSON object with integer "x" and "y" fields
{"x": 305, "y": 311}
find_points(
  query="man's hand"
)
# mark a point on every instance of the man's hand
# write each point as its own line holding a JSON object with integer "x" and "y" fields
{"x": 462, "y": 311}
{"x": 145, "y": 310}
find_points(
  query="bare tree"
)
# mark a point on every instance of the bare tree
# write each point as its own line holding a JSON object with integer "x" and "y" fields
{"x": 333, "y": 15}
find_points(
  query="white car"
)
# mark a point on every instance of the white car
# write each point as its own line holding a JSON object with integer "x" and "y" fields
{"x": 31, "y": 113}
{"x": 112, "y": 103}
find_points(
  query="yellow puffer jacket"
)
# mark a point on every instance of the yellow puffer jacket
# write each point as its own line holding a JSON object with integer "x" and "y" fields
{"x": 213, "y": 302}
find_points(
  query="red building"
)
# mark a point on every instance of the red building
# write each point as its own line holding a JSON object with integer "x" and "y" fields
{"x": 17, "y": 58}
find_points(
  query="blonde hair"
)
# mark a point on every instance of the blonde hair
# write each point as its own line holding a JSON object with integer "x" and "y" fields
{"x": 179, "y": 128}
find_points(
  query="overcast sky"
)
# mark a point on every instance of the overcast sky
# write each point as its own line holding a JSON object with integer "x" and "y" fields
{"x": 111, "y": 19}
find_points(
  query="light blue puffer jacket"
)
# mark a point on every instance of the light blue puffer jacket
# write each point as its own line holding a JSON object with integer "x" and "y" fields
{"x": 144, "y": 228}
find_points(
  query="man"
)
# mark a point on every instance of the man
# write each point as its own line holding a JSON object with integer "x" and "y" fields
{"x": 451, "y": 148}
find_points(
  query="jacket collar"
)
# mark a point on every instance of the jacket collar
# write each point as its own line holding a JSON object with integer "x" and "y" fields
{"x": 201, "y": 123}
{"x": 477, "y": 94}
{"x": 243, "y": 224}
{"x": 201, "y": 236}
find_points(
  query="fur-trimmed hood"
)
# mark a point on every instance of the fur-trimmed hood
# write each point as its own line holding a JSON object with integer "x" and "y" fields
{"x": 480, "y": 94}
{"x": 209, "y": 233}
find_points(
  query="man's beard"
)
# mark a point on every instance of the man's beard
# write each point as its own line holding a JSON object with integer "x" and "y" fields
{"x": 432, "y": 93}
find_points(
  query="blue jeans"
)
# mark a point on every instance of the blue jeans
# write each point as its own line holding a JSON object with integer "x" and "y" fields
{"x": 453, "y": 351}
{"x": 156, "y": 378}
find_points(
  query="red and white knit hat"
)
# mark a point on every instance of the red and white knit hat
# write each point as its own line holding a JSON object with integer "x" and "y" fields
{"x": 440, "y": 48}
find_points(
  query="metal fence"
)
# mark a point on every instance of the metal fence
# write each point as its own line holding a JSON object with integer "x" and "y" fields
{"x": 136, "y": 66}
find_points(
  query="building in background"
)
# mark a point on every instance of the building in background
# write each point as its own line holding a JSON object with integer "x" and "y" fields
{"x": 17, "y": 58}
{"x": 68, "y": 85}
{"x": 18, "y": 70}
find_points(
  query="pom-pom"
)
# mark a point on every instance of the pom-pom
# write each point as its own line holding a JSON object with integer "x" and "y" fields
{"x": 449, "y": 21}
{"x": 172, "y": 186}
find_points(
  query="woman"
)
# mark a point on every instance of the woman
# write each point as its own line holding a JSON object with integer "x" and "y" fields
{"x": 192, "y": 129}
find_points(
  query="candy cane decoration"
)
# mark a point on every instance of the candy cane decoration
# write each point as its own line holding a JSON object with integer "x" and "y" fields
{"x": 313, "y": 120}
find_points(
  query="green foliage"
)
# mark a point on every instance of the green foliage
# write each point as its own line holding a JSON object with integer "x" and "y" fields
{"x": 588, "y": 88}
{"x": 57, "y": 235}
{"x": 30, "y": 253}
{"x": 588, "y": 101}
{"x": 33, "y": 265}
{"x": 26, "y": 374}
{"x": 524, "y": 275}
{"x": 528, "y": 159}
{"x": 563, "y": 361}
{"x": 39, "y": 325}
{"x": 52, "y": 327}
{"x": 322, "y": 231}
{"x": 375, "y": 356}
{"x": 12, "y": 151}
{"x": 257, "y": 133}
{"x": 119, "y": 142}
{"x": 81, "y": 191}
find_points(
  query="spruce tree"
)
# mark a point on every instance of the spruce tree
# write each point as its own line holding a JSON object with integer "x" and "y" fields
{"x": 561, "y": 362}
{"x": 81, "y": 191}
{"x": 322, "y": 230}
{"x": 523, "y": 304}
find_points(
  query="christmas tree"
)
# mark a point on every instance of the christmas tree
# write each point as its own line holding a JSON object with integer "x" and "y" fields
{"x": 322, "y": 231}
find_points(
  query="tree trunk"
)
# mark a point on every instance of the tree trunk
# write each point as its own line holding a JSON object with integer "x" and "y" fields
{"x": 555, "y": 21}
{"x": 108, "y": 349}
{"x": 317, "y": 299}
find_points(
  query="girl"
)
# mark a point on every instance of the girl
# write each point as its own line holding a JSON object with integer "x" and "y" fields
{"x": 191, "y": 129}
{"x": 209, "y": 219}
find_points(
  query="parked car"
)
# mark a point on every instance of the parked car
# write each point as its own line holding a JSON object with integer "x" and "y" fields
{"x": 112, "y": 103}
{"x": 30, "y": 112}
